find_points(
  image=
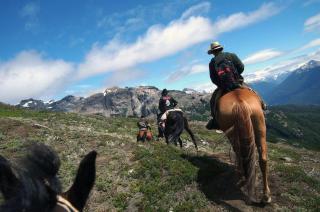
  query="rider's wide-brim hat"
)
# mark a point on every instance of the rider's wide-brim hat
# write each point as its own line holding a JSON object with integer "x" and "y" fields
{"x": 214, "y": 47}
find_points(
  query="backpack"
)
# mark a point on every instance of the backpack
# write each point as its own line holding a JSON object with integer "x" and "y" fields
{"x": 142, "y": 125}
{"x": 167, "y": 102}
{"x": 227, "y": 75}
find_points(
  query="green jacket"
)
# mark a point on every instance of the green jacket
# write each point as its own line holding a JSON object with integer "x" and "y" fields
{"x": 217, "y": 59}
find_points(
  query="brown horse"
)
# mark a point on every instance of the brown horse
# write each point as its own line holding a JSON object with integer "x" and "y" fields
{"x": 241, "y": 117}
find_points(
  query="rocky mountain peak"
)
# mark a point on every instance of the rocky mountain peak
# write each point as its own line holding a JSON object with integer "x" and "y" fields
{"x": 189, "y": 90}
{"x": 128, "y": 101}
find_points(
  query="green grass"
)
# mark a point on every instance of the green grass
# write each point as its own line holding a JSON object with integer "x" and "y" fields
{"x": 295, "y": 173}
{"x": 301, "y": 129}
{"x": 276, "y": 153}
{"x": 160, "y": 174}
{"x": 153, "y": 176}
{"x": 300, "y": 186}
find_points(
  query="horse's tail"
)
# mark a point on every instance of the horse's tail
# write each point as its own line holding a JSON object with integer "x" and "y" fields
{"x": 178, "y": 126}
{"x": 187, "y": 128}
{"x": 243, "y": 144}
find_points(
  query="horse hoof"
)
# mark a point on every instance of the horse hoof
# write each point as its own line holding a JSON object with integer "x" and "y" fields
{"x": 250, "y": 200}
{"x": 266, "y": 200}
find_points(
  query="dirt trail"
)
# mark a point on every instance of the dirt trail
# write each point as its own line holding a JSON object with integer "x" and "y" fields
{"x": 217, "y": 179}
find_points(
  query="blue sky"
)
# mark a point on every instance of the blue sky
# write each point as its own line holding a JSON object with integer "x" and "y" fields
{"x": 50, "y": 49}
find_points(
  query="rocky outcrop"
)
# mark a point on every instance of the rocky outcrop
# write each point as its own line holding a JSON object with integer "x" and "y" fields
{"x": 137, "y": 101}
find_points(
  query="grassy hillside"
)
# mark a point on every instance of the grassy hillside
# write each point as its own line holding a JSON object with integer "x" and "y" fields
{"x": 296, "y": 125}
{"x": 153, "y": 176}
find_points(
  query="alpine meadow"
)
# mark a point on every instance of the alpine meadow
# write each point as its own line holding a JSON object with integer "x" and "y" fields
{"x": 159, "y": 105}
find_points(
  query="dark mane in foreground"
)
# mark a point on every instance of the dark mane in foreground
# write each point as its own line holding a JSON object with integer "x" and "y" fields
{"x": 33, "y": 184}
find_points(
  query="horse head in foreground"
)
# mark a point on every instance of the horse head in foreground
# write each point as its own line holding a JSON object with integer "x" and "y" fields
{"x": 34, "y": 185}
{"x": 175, "y": 124}
{"x": 241, "y": 117}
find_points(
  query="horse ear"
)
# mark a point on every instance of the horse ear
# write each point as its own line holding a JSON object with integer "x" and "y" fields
{"x": 9, "y": 183}
{"x": 78, "y": 193}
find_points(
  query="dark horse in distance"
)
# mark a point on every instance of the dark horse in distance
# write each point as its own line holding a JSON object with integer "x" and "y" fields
{"x": 34, "y": 185}
{"x": 175, "y": 124}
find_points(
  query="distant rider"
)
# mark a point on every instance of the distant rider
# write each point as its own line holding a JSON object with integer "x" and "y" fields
{"x": 166, "y": 102}
{"x": 144, "y": 129}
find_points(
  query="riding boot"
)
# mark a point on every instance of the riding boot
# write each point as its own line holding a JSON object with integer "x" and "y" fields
{"x": 212, "y": 124}
{"x": 263, "y": 104}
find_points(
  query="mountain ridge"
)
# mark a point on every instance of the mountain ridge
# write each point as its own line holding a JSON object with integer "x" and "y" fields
{"x": 128, "y": 101}
{"x": 299, "y": 87}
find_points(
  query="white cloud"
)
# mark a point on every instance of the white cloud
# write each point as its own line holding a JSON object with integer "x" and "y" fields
{"x": 118, "y": 78}
{"x": 137, "y": 18}
{"x": 31, "y": 9}
{"x": 187, "y": 70}
{"x": 238, "y": 20}
{"x": 158, "y": 42}
{"x": 268, "y": 54}
{"x": 206, "y": 87}
{"x": 311, "y": 44}
{"x": 309, "y": 2}
{"x": 312, "y": 23}
{"x": 161, "y": 41}
{"x": 196, "y": 10}
{"x": 261, "y": 56}
{"x": 30, "y": 75}
{"x": 30, "y": 13}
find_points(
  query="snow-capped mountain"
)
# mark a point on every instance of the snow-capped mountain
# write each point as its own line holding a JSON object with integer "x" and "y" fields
{"x": 278, "y": 73}
{"x": 35, "y": 104}
{"x": 308, "y": 66}
{"x": 276, "y": 82}
{"x": 267, "y": 75}
{"x": 300, "y": 87}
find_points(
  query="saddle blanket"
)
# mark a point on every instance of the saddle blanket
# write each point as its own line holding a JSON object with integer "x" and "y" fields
{"x": 164, "y": 116}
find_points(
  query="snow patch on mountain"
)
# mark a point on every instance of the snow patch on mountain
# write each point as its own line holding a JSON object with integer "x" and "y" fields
{"x": 27, "y": 104}
{"x": 308, "y": 66}
{"x": 279, "y": 72}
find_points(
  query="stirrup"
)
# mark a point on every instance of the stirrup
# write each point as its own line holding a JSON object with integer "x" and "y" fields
{"x": 264, "y": 106}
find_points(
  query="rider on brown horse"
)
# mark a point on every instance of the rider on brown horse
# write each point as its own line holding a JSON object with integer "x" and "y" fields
{"x": 225, "y": 72}
{"x": 239, "y": 114}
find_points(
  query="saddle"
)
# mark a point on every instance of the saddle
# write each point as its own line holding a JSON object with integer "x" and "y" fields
{"x": 165, "y": 114}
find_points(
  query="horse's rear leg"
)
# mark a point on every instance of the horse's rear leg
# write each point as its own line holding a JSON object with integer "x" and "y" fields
{"x": 261, "y": 143}
{"x": 180, "y": 142}
{"x": 187, "y": 128}
{"x": 166, "y": 138}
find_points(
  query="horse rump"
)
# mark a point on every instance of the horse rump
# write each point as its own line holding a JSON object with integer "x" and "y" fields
{"x": 243, "y": 144}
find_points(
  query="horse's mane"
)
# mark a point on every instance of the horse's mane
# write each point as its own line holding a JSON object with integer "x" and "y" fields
{"x": 38, "y": 185}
